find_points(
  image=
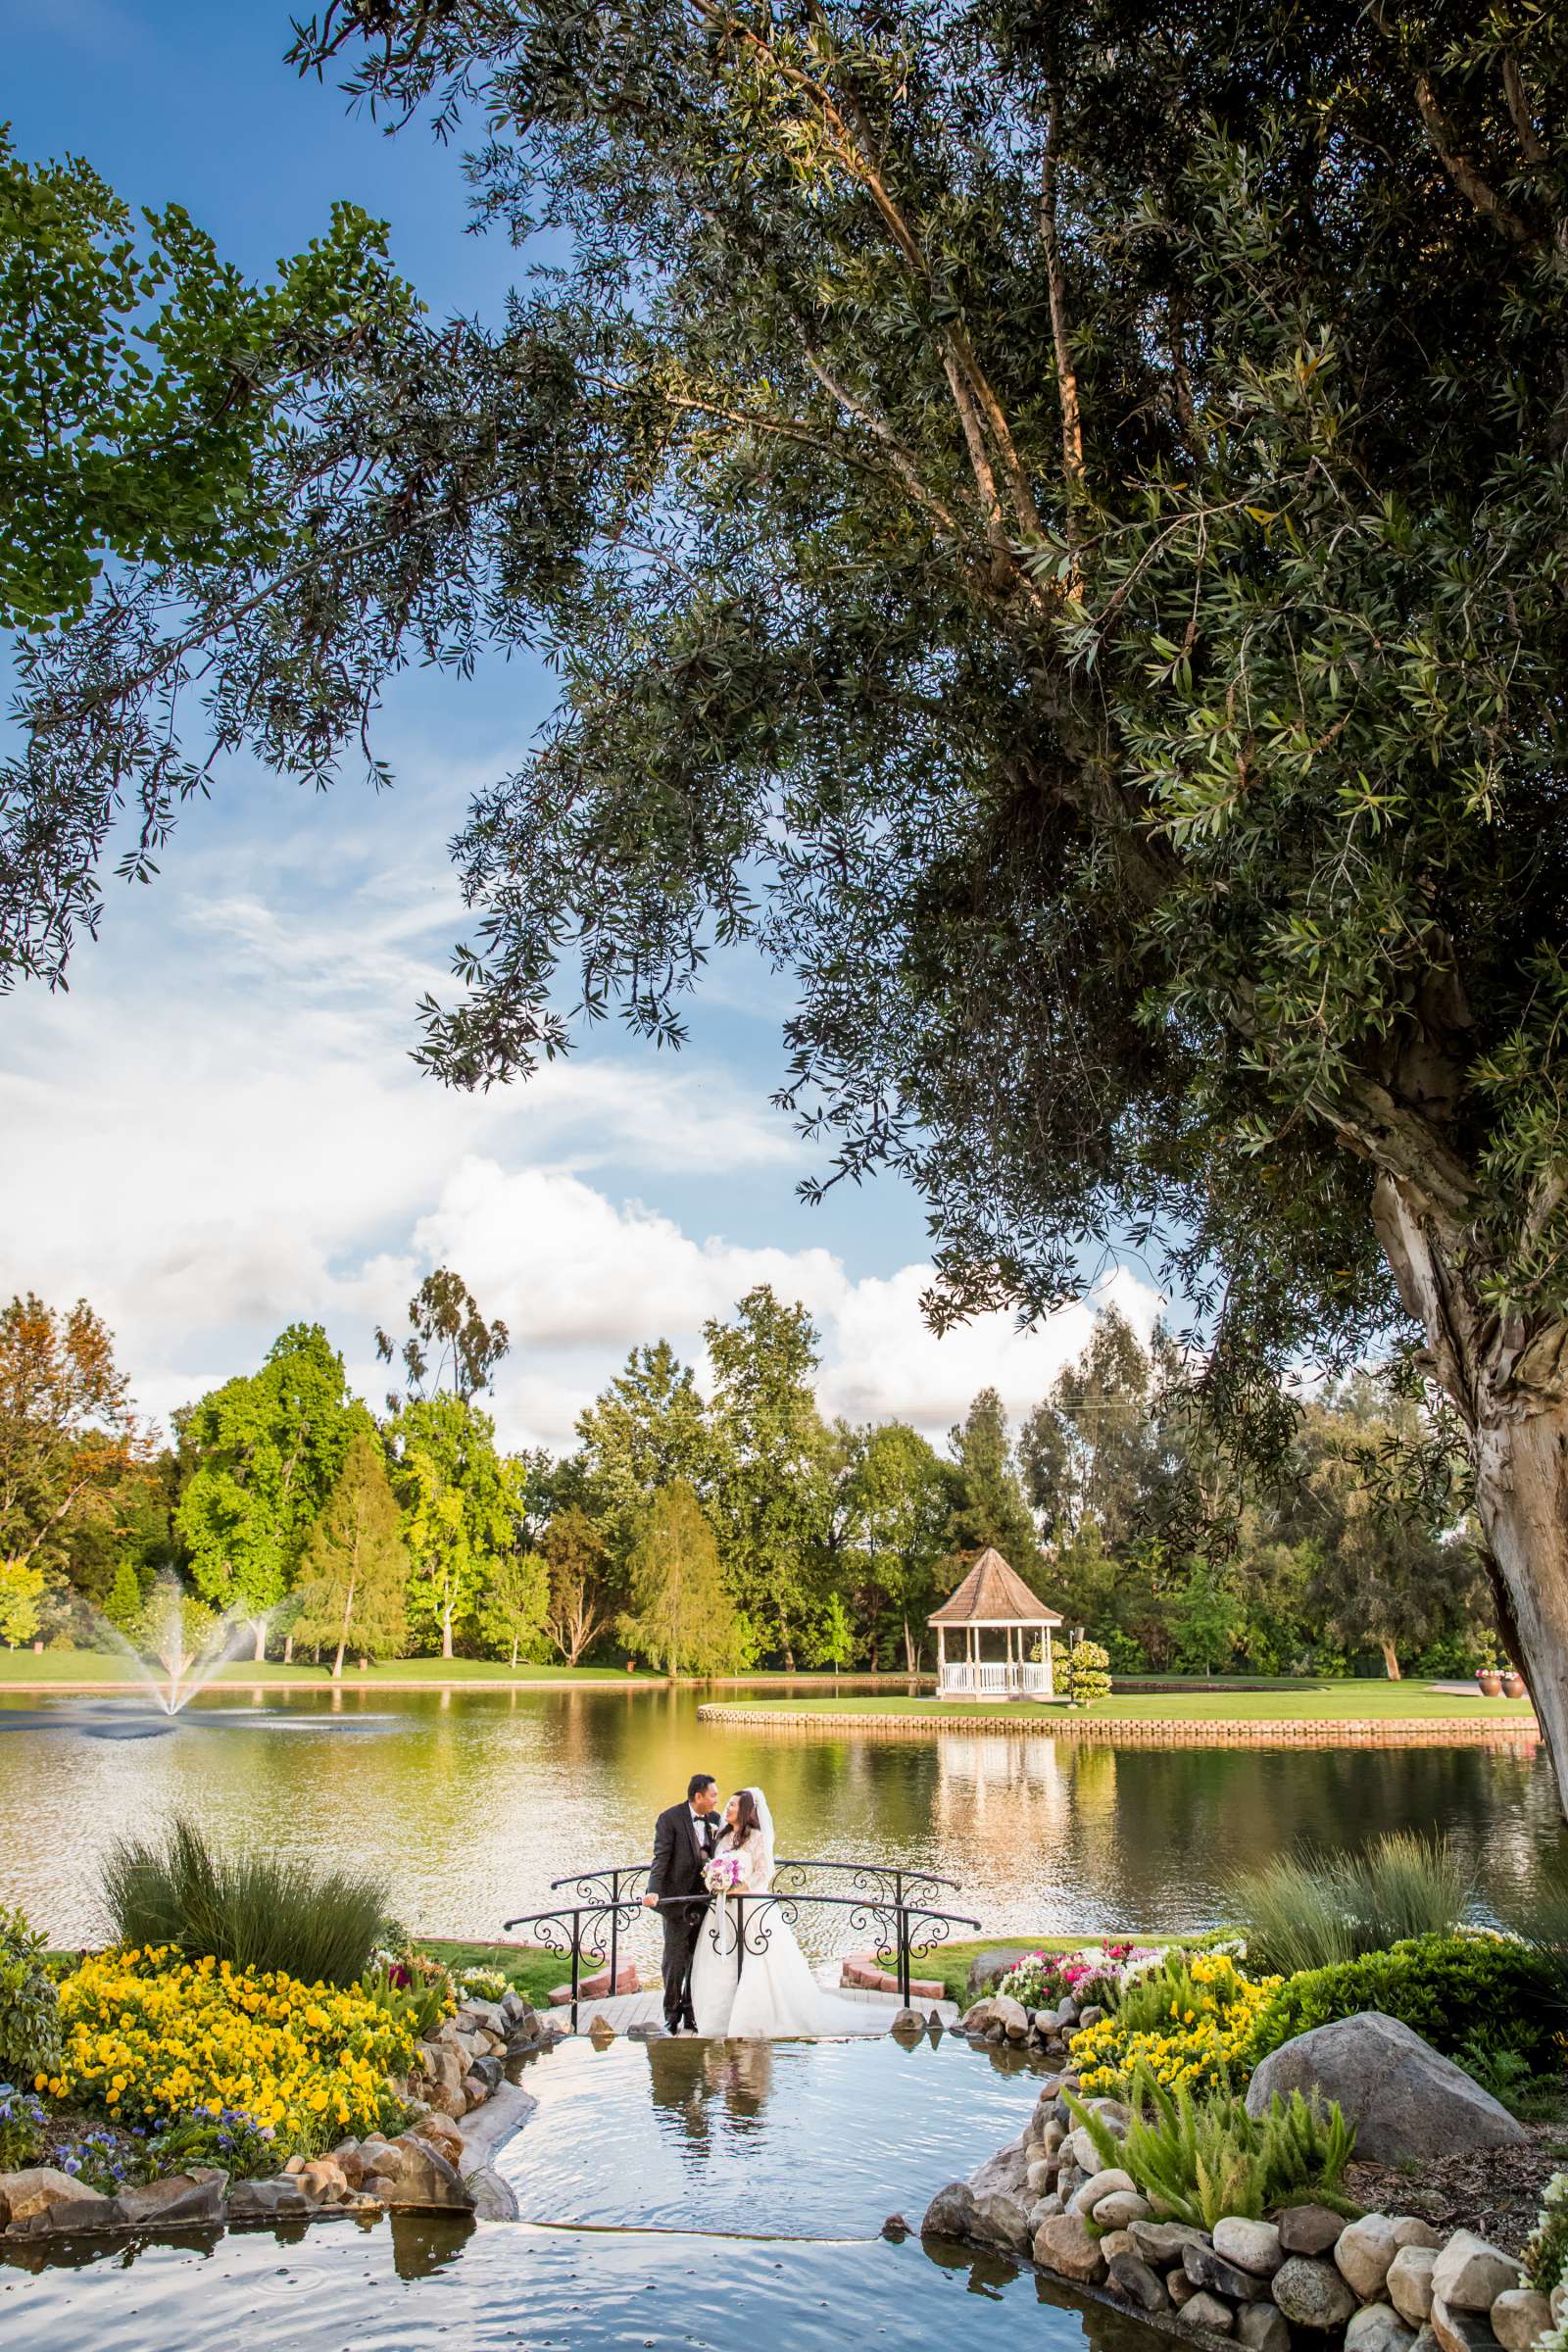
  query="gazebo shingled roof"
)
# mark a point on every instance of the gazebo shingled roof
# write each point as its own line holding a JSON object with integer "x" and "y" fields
{"x": 993, "y": 1593}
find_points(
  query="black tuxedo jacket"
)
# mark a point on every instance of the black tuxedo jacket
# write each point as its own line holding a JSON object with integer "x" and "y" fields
{"x": 682, "y": 1850}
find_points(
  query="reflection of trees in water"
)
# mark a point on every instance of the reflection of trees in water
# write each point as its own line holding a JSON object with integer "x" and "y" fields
{"x": 696, "y": 2083}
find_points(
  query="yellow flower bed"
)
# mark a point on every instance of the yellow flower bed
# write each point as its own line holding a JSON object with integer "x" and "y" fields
{"x": 1200, "y": 2033}
{"x": 150, "y": 2035}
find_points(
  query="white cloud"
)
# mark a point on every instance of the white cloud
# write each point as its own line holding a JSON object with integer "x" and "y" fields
{"x": 220, "y": 1131}
{"x": 583, "y": 1279}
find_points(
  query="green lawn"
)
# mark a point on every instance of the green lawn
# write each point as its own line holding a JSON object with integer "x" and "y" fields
{"x": 68, "y": 1667}
{"x": 533, "y": 1972}
{"x": 1281, "y": 1702}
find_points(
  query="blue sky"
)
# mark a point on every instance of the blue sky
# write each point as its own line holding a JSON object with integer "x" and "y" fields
{"x": 217, "y": 1129}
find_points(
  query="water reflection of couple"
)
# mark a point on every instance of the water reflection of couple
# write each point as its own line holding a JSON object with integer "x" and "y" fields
{"x": 694, "y": 2083}
{"x": 709, "y": 1879}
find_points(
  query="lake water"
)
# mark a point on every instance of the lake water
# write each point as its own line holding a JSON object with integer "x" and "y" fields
{"x": 471, "y": 1802}
{"x": 682, "y": 2193}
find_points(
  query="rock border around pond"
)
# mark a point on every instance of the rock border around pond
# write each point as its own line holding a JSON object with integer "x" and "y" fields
{"x": 1128, "y": 1730}
{"x": 1386, "y": 2283}
{"x": 440, "y": 2164}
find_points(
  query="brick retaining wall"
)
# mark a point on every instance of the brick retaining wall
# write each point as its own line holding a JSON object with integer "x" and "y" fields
{"x": 1413, "y": 1731}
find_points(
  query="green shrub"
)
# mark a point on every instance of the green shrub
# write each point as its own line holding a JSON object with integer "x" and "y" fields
{"x": 246, "y": 2149}
{"x": 1083, "y": 1676}
{"x": 1541, "y": 1920}
{"x": 259, "y": 1911}
{"x": 1451, "y": 1989}
{"x": 1196, "y": 2159}
{"x": 29, "y": 2012}
{"x": 1306, "y": 1911}
{"x": 20, "y": 2128}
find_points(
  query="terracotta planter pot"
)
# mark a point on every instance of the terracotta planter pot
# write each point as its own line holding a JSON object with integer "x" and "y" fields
{"x": 1513, "y": 1684}
{"x": 1488, "y": 1682}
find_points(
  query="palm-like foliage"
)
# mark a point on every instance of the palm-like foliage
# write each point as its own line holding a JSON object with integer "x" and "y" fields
{"x": 1196, "y": 2159}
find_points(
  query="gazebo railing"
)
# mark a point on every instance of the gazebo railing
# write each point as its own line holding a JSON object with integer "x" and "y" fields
{"x": 997, "y": 1678}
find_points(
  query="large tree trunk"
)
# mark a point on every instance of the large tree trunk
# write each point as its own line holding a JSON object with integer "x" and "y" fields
{"x": 1508, "y": 1377}
{"x": 1391, "y": 1658}
{"x": 259, "y": 1629}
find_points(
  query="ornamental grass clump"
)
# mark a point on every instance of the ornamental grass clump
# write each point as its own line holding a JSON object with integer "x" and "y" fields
{"x": 150, "y": 2038}
{"x": 257, "y": 1911}
{"x": 1193, "y": 2019}
{"x": 1198, "y": 2157}
{"x": 1314, "y": 1911}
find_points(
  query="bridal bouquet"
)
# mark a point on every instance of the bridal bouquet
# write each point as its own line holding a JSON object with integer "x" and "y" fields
{"x": 723, "y": 1875}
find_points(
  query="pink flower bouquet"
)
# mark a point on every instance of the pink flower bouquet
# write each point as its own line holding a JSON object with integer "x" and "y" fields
{"x": 723, "y": 1874}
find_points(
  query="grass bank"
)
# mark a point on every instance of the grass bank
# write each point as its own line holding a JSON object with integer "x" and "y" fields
{"x": 104, "y": 1670}
{"x": 1283, "y": 1701}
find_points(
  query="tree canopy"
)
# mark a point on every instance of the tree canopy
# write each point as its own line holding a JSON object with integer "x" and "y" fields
{"x": 1050, "y": 521}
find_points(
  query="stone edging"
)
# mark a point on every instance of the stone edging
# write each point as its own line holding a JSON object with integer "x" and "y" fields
{"x": 1139, "y": 1730}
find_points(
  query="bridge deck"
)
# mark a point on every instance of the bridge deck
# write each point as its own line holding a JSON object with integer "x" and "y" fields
{"x": 645, "y": 2007}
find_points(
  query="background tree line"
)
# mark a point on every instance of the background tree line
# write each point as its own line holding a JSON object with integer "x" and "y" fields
{"x": 708, "y": 1532}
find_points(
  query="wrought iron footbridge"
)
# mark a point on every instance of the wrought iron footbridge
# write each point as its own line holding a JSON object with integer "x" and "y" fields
{"x": 891, "y": 1905}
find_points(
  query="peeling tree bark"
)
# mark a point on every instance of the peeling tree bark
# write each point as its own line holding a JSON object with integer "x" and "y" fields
{"x": 1508, "y": 1379}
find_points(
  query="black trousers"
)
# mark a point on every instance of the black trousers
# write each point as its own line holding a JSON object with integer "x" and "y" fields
{"x": 683, "y": 1923}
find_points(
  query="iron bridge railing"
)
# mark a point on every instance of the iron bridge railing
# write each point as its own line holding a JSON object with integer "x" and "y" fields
{"x": 587, "y": 1932}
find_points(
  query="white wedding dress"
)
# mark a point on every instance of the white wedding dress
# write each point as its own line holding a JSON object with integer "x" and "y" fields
{"x": 774, "y": 1994}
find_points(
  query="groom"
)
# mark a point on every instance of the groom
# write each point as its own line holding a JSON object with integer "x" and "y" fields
{"x": 683, "y": 1845}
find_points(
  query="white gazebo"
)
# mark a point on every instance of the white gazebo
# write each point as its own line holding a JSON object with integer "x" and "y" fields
{"x": 994, "y": 1598}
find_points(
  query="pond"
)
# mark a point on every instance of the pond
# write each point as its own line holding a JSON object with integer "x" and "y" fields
{"x": 472, "y": 1801}
{"x": 690, "y": 2193}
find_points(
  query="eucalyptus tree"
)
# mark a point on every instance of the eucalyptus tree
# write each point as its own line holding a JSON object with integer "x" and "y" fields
{"x": 1053, "y": 521}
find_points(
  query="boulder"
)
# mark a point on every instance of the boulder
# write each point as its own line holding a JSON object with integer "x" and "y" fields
{"x": 1163, "y": 2242}
{"x": 1122, "y": 2207}
{"x": 87, "y": 2211}
{"x": 492, "y": 2015}
{"x": 178, "y": 2202}
{"x": 1179, "y": 2288}
{"x": 1114, "y": 2242}
{"x": 1469, "y": 2274}
{"x": 1263, "y": 2329}
{"x": 425, "y": 2180}
{"x": 1090, "y": 2015}
{"x": 1403, "y": 2097}
{"x": 1099, "y": 2184}
{"x": 324, "y": 2180}
{"x": 1063, "y": 2244}
{"x": 1206, "y": 2268}
{"x": 439, "y": 2130}
{"x": 1042, "y": 2210}
{"x": 1312, "y": 2293}
{"x": 1085, "y": 2155}
{"x": 1459, "y": 2330}
{"x": 1364, "y": 2252}
{"x": 1011, "y": 2016}
{"x": 489, "y": 2070}
{"x": 1378, "y": 2327}
{"x": 1409, "y": 2283}
{"x": 351, "y": 2163}
{"x": 1411, "y": 2230}
{"x": 951, "y": 2212}
{"x": 1520, "y": 2318}
{"x": 1251, "y": 2245}
{"x": 35, "y": 2189}
{"x": 1002, "y": 2220}
{"x": 1558, "y": 2299}
{"x": 1007, "y": 2171}
{"x": 1112, "y": 2114}
{"x": 1309, "y": 2229}
{"x": 906, "y": 2020}
{"x": 260, "y": 2203}
{"x": 1140, "y": 2284}
{"x": 1204, "y": 2310}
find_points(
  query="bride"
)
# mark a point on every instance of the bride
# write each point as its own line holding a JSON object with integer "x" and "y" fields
{"x": 774, "y": 1993}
